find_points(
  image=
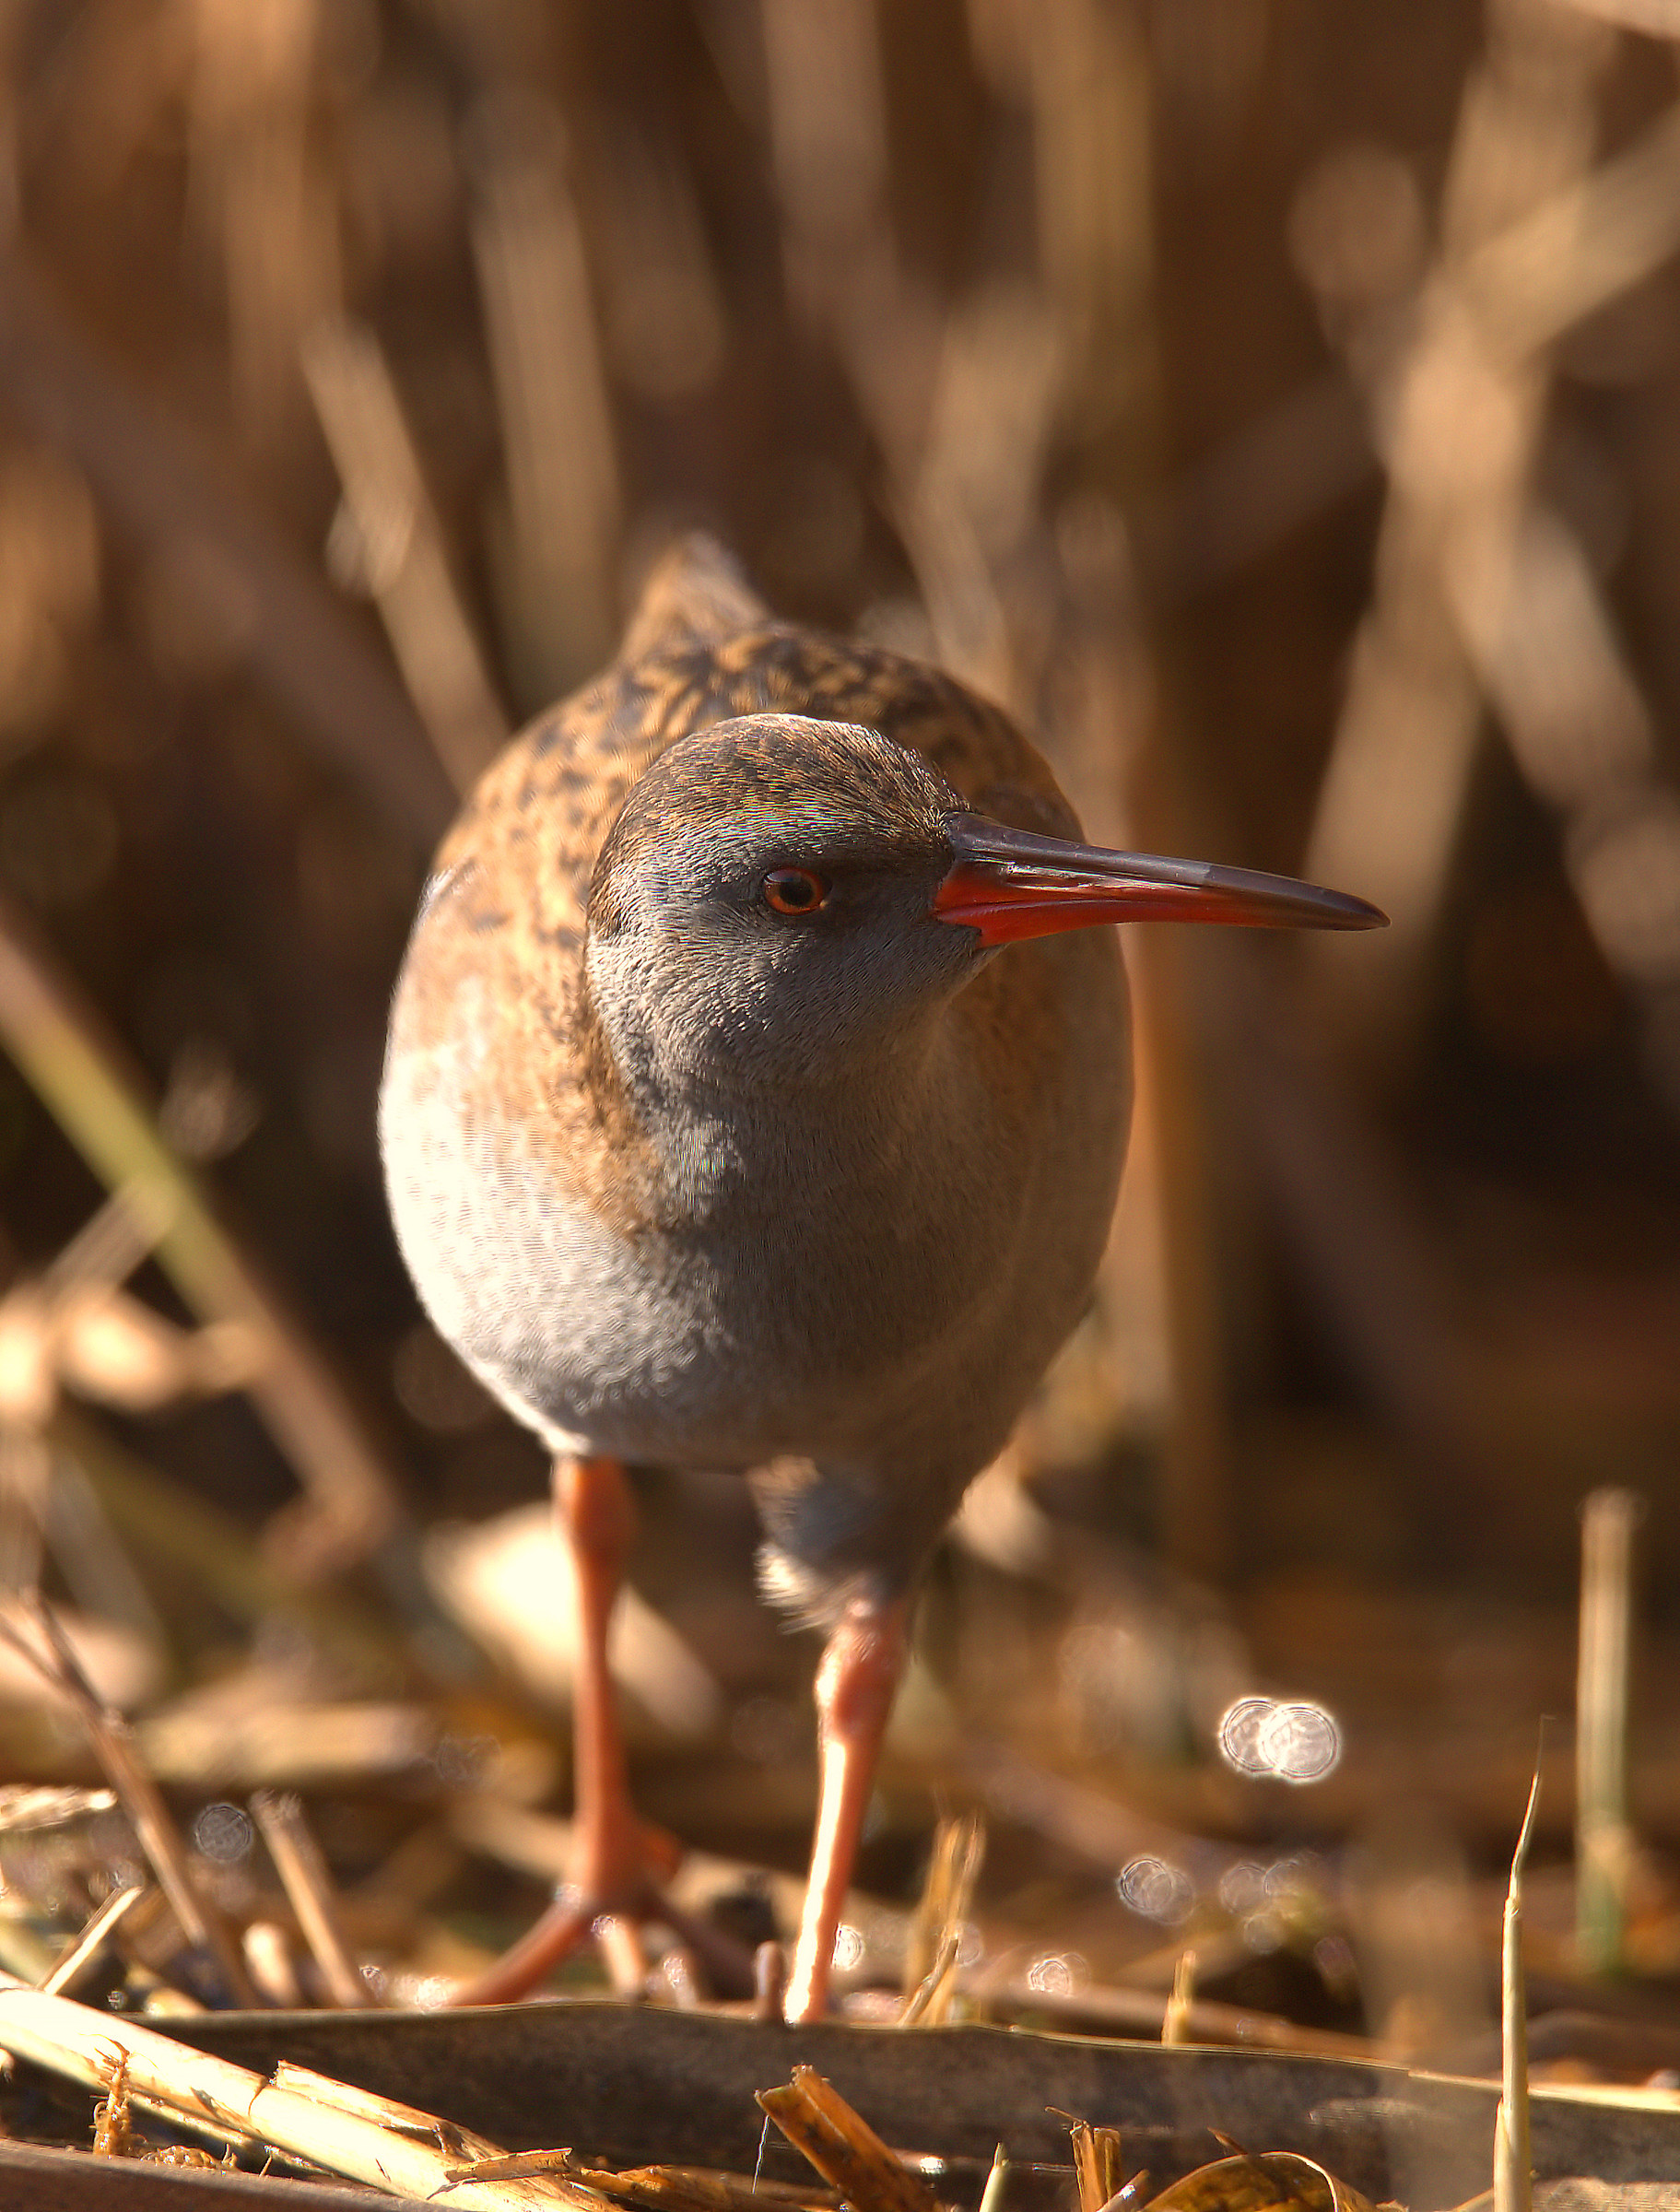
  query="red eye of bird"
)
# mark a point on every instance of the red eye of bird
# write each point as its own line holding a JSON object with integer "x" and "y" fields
{"x": 794, "y": 890}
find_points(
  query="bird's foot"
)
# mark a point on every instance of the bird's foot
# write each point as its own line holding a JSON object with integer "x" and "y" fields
{"x": 610, "y": 1909}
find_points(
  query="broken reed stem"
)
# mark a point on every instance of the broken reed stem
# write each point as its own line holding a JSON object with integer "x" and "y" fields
{"x": 308, "y": 1890}
{"x": 347, "y": 2131}
{"x": 1096, "y": 2163}
{"x": 935, "y": 1932}
{"x": 843, "y": 2148}
{"x": 1602, "y": 1836}
{"x": 100, "y": 1926}
{"x": 112, "y": 1744}
{"x": 997, "y": 2182}
{"x": 1513, "y": 2153}
{"x": 928, "y": 2003}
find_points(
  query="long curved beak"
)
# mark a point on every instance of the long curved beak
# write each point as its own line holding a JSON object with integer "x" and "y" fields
{"x": 1009, "y": 884}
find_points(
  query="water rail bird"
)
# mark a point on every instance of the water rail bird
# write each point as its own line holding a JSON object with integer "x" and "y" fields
{"x": 755, "y": 1099}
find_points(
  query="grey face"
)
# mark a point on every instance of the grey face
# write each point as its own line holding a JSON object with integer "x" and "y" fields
{"x": 762, "y": 911}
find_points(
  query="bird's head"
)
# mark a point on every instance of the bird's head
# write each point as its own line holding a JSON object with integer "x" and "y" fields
{"x": 763, "y": 905}
{"x": 781, "y": 895}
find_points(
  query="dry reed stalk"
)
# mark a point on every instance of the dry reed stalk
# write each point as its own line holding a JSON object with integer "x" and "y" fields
{"x": 25, "y": 1473}
{"x": 1582, "y": 247}
{"x": 969, "y": 509}
{"x": 1658, "y": 18}
{"x": 268, "y": 1961}
{"x": 1461, "y": 418}
{"x": 308, "y": 1890}
{"x": 62, "y": 1047}
{"x": 366, "y": 2138}
{"x": 259, "y": 190}
{"x": 25, "y": 1805}
{"x": 1602, "y": 1837}
{"x": 1089, "y": 80}
{"x": 1177, "y": 2021}
{"x": 827, "y": 131}
{"x": 86, "y": 1947}
{"x": 560, "y": 467}
{"x": 266, "y": 1739}
{"x": 1512, "y": 2152}
{"x": 265, "y": 607}
{"x": 107, "y": 1732}
{"x": 400, "y": 556}
{"x": 1489, "y": 594}
{"x": 165, "y": 1522}
{"x": 826, "y": 113}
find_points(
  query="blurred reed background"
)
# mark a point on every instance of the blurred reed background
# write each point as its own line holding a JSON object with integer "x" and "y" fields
{"x": 1277, "y": 405}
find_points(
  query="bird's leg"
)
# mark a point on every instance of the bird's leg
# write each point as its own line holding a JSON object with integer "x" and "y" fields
{"x": 612, "y": 1871}
{"x": 856, "y": 1681}
{"x": 595, "y": 1507}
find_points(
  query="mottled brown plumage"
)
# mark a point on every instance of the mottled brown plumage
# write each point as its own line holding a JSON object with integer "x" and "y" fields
{"x": 716, "y": 1130}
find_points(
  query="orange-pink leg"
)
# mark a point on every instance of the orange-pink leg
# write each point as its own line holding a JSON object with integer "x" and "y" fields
{"x": 855, "y": 1686}
{"x": 618, "y": 1862}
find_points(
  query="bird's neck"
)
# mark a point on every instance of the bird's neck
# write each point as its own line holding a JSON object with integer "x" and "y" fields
{"x": 721, "y": 1139}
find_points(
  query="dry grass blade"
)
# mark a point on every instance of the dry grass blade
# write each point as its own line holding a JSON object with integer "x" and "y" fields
{"x": 101, "y": 1926}
{"x": 309, "y": 1888}
{"x": 843, "y": 2148}
{"x": 391, "y": 2147}
{"x": 112, "y": 1746}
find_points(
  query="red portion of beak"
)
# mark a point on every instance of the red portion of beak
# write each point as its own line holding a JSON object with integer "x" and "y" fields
{"x": 1008, "y": 884}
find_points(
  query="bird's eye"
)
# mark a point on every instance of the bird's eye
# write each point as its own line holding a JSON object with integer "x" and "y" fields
{"x": 794, "y": 890}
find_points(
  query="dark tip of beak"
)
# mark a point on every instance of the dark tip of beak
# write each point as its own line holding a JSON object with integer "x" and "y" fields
{"x": 1008, "y": 884}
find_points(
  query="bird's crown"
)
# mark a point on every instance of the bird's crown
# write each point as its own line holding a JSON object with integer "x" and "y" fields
{"x": 831, "y": 786}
